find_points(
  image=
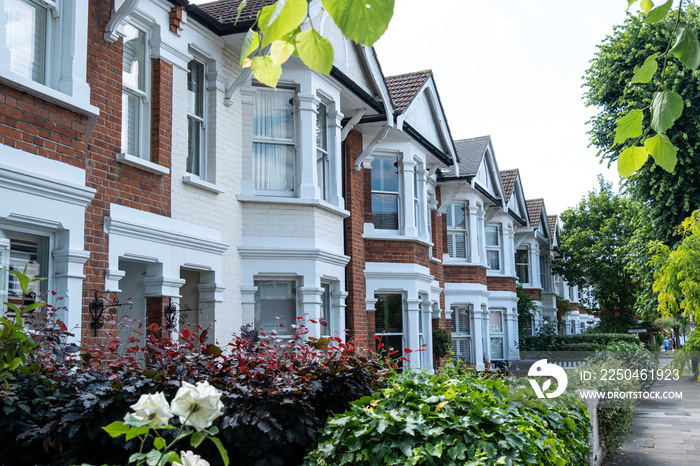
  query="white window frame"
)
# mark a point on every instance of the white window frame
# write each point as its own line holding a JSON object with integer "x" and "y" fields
{"x": 6, "y": 235}
{"x": 401, "y": 334}
{"x": 494, "y": 248}
{"x": 142, "y": 139}
{"x": 460, "y": 339}
{"x": 397, "y": 193}
{"x": 495, "y": 334}
{"x": 457, "y": 231}
{"x": 202, "y": 120}
{"x": 279, "y": 141}
{"x": 327, "y": 309}
{"x": 294, "y": 285}
{"x": 526, "y": 264}
{"x": 323, "y": 166}
{"x": 545, "y": 276}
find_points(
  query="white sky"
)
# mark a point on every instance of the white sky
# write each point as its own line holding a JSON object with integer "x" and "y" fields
{"x": 512, "y": 69}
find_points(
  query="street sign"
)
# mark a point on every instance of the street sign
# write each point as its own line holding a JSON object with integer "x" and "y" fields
{"x": 637, "y": 330}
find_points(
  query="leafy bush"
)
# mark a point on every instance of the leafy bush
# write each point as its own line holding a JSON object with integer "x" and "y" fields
{"x": 615, "y": 415}
{"x": 277, "y": 393}
{"x": 547, "y": 340}
{"x": 632, "y": 356}
{"x": 440, "y": 419}
{"x": 442, "y": 343}
{"x": 581, "y": 347}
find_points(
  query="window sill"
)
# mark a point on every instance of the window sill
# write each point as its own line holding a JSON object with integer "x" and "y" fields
{"x": 393, "y": 235}
{"x": 436, "y": 260}
{"x": 194, "y": 180}
{"x": 77, "y": 104}
{"x": 142, "y": 164}
{"x": 294, "y": 201}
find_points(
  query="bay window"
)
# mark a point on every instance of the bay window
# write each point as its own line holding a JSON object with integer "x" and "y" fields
{"x": 385, "y": 192}
{"x": 135, "y": 93}
{"x": 196, "y": 119}
{"x": 493, "y": 247}
{"x": 274, "y": 158}
{"x": 522, "y": 265}
{"x": 276, "y": 306}
{"x": 456, "y": 230}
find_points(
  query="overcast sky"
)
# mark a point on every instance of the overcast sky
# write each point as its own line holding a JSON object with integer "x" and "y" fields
{"x": 512, "y": 69}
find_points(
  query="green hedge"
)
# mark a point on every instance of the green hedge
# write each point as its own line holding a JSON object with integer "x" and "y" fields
{"x": 444, "y": 420}
{"x": 564, "y": 342}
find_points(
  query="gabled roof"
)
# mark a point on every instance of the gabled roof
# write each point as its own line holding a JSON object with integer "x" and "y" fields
{"x": 404, "y": 88}
{"x": 508, "y": 178}
{"x": 471, "y": 153}
{"x": 534, "y": 211}
{"x": 225, "y": 11}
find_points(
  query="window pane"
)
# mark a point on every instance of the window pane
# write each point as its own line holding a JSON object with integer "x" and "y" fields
{"x": 523, "y": 272}
{"x": 493, "y": 259}
{"x": 385, "y": 174}
{"x": 321, "y": 163}
{"x": 29, "y": 254}
{"x": 273, "y": 166}
{"x": 134, "y": 58}
{"x": 25, "y": 37}
{"x": 321, "y": 127}
{"x": 389, "y": 314}
{"x": 455, "y": 215}
{"x": 495, "y": 322}
{"x": 496, "y": 348}
{"x": 195, "y": 86}
{"x": 194, "y": 146}
{"x": 522, "y": 256}
{"x": 462, "y": 349}
{"x": 131, "y": 121}
{"x": 456, "y": 245}
{"x": 275, "y": 299}
{"x": 326, "y": 308}
{"x": 274, "y": 114}
{"x": 492, "y": 236}
{"x": 385, "y": 211}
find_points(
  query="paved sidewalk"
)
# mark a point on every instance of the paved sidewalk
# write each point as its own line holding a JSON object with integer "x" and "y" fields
{"x": 665, "y": 432}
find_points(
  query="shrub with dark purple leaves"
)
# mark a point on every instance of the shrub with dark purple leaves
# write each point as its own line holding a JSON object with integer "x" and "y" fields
{"x": 277, "y": 393}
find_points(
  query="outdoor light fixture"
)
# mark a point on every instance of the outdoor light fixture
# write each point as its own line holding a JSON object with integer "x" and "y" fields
{"x": 101, "y": 304}
{"x": 172, "y": 313}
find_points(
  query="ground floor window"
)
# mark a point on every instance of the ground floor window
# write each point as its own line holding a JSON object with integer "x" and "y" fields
{"x": 326, "y": 330}
{"x": 28, "y": 254}
{"x": 275, "y": 306}
{"x": 462, "y": 333}
{"x": 496, "y": 334}
{"x": 389, "y": 324}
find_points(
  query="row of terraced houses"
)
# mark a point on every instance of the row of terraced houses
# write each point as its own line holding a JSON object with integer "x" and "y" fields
{"x": 140, "y": 163}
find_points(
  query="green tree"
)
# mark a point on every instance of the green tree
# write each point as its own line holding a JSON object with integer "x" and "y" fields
{"x": 526, "y": 311}
{"x": 594, "y": 246}
{"x": 670, "y": 196}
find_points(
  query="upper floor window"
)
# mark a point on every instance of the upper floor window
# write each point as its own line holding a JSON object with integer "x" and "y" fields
{"x": 27, "y": 26}
{"x": 456, "y": 230}
{"x": 522, "y": 265}
{"x": 417, "y": 194}
{"x": 274, "y": 159}
{"x": 385, "y": 192}
{"x": 135, "y": 93}
{"x": 322, "y": 162}
{"x": 493, "y": 247}
{"x": 545, "y": 276}
{"x": 196, "y": 120}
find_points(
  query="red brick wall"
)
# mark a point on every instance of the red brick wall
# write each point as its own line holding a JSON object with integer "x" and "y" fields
{"x": 535, "y": 293}
{"x": 465, "y": 274}
{"x": 501, "y": 284}
{"x": 405, "y": 252}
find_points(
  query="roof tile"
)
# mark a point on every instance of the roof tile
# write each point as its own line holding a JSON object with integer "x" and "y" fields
{"x": 508, "y": 178}
{"x": 403, "y": 88}
{"x": 225, "y": 11}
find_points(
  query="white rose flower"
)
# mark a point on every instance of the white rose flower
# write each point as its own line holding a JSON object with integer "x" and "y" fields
{"x": 153, "y": 409}
{"x": 188, "y": 458}
{"x": 197, "y": 406}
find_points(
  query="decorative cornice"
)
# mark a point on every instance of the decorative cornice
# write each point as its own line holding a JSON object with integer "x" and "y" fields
{"x": 294, "y": 255}
{"x": 51, "y": 188}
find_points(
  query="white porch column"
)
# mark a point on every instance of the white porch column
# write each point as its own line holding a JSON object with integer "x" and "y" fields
{"x": 338, "y": 306}
{"x": 426, "y": 316}
{"x": 248, "y": 304}
{"x": 535, "y": 266}
{"x": 509, "y": 250}
{"x": 409, "y": 170}
{"x": 310, "y": 307}
{"x": 512, "y": 339}
{"x": 479, "y": 334}
{"x": 473, "y": 229}
{"x": 335, "y": 168}
{"x": 411, "y": 331}
{"x": 68, "y": 276}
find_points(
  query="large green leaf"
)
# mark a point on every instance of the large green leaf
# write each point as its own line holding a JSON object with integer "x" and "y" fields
{"x": 663, "y": 151}
{"x": 362, "y": 21}
{"x": 644, "y": 73}
{"x": 666, "y": 107}
{"x": 658, "y": 13}
{"x": 274, "y": 24}
{"x": 281, "y": 50}
{"x": 266, "y": 70}
{"x": 687, "y": 49}
{"x": 631, "y": 160}
{"x": 250, "y": 45}
{"x": 629, "y": 126}
{"x": 315, "y": 51}
{"x": 116, "y": 429}
{"x": 647, "y": 5}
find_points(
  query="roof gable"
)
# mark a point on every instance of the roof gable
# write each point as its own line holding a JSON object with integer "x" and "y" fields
{"x": 514, "y": 195}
